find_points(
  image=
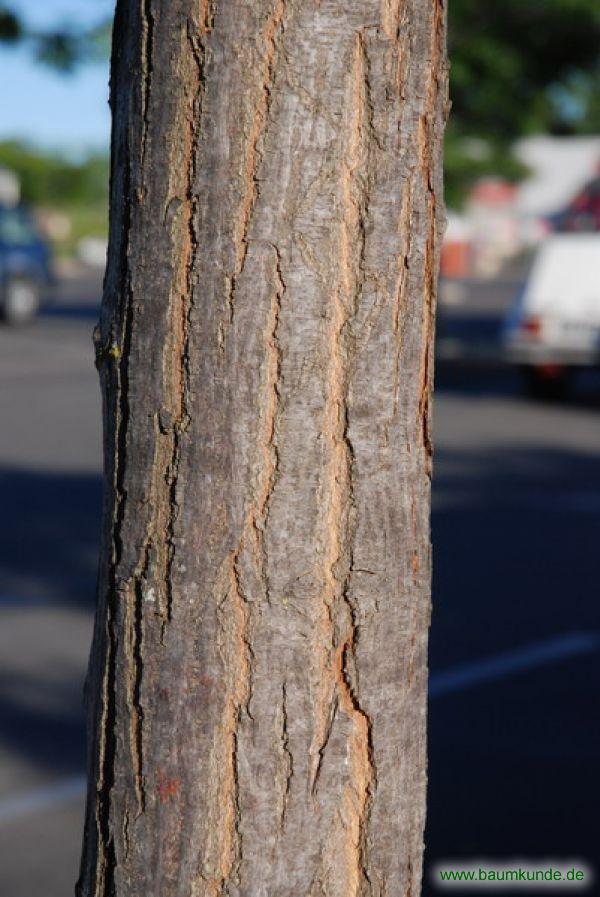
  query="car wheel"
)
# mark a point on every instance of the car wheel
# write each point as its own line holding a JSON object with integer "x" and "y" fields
{"x": 21, "y": 300}
{"x": 546, "y": 382}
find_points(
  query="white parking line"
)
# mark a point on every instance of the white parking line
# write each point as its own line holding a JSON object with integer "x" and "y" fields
{"x": 469, "y": 675}
{"x": 40, "y": 799}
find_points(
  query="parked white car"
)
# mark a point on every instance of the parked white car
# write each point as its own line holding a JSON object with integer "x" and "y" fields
{"x": 554, "y": 325}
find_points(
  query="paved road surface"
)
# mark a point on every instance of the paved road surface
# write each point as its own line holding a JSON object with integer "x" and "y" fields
{"x": 514, "y": 755}
{"x": 514, "y": 726}
{"x": 50, "y": 491}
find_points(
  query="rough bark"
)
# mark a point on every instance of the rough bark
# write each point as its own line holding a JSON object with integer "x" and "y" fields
{"x": 257, "y": 685}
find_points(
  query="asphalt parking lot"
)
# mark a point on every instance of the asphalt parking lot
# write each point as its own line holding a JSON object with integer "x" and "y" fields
{"x": 50, "y": 488}
{"x": 514, "y": 728}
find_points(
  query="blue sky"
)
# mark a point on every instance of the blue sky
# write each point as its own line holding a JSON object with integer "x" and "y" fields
{"x": 67, "y": 112}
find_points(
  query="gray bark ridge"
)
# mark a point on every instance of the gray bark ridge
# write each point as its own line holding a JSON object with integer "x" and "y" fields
{"x": 257, "y": 684}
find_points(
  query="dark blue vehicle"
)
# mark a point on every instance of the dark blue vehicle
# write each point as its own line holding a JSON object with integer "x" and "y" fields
{"x": 25, "y": 265}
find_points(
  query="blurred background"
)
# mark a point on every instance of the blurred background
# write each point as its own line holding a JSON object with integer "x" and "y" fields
{"x": 514, "y": 728}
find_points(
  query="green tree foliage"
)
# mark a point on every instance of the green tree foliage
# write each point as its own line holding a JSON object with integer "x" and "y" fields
{"x": 10, "y": 27}
{"x": 78, "y": 189}
{"x": 518, "y": 67}
{"x": 509, "y": 58}
{"x": 50, "y": 179}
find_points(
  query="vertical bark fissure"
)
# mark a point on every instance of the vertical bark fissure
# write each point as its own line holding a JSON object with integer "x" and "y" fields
{"x": 427, "y": 123}
{"x": 326, "y": 735}
{"x": 269, "y": 449}
{"x": 287, "y": 760}
{"x": 129, "y": 591}
{"x": 118, "y": 590}
{"x": 147, "y": 20}
{"x": 256, "y": 519}
{"x": 232, "y": 845}
{"x": 136, "y": 653}
{"x": 425, "y": 141}
{"x": 273, "y": 27}
{"x": 390, "y": 17}
{"x": 105, "y": 861}
{"x": 400, "y": 299}
{"x": 252, "y": 536}
{"x": 224, "y": 851}
{"x": 340, "y": 672}
{"x": 183, "y": 304}
{"x": 119, "y": 356}
{"x": 365, "y": 773}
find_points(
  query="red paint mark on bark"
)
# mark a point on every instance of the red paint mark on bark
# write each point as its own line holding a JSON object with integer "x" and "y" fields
{"x": 166, "y": 787}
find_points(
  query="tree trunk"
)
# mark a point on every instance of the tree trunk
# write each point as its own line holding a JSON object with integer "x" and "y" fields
{"x": 257, "y": 685}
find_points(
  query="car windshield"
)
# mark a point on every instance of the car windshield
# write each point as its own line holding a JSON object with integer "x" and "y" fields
{"x": 16, "y": 227}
